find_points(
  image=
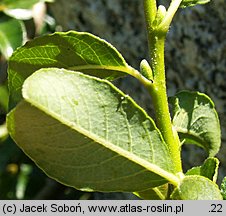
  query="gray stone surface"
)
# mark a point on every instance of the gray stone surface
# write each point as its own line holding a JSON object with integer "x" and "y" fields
{"x": 195, "y": 50}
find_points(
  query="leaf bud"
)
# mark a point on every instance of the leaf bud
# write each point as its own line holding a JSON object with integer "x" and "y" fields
{"x": 146, "y": 70}
{"x": 161, "y": 12}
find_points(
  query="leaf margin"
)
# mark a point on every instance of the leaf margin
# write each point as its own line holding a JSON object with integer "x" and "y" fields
{"x": 147, "y": 165}
{"x": 184, "y": 132}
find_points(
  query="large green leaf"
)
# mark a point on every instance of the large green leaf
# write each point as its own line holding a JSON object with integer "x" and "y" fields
{"x": 209, "y": 169}
{"x": 188, "y": 3}
{"x": 11, "y": 35}
{"x": 77, "y": 51}
{"x": 86, "y": 133}
{"x": 196, "y": 120}
{"x": 196, "y": 187}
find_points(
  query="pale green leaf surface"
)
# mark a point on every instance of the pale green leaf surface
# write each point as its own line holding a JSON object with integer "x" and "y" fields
{"x": 196, "y": 187}
{"x": 189, "y": 3}
{"x": 77, "y": 51}
{"x": 86, "y": 133}
{"x": 196, "y": 120}
{"x": 11, "y": 35}
{"x": 209, "y": 169}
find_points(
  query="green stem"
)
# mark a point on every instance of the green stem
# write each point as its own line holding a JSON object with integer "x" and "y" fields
{"x": 160, "y": 101}
{"x": 156, "y": 41}
{"x": 150, "y": 10}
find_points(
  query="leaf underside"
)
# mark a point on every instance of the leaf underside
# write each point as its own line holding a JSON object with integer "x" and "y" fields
{"x": 196, "y": 187}
{"x": 78, "y": 51}
{"x": 84, "y": 132}
{"x": 196, "y": 120}
{"x": 209, "y": 169}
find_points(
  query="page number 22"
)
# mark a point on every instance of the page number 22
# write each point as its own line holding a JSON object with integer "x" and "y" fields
{"x": 216, "y": 208}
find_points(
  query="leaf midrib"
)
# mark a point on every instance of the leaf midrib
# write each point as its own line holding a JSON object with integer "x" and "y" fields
{"x": 192, "y": 133}
{"x": 130, "y": 156}
{"x": 124, "y": 69}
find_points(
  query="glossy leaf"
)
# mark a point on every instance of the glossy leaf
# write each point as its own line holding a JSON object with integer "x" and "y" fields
{"x": 84, "y": 132}
{"x": 209, "y": 169}
{"x": 188, "y": 3}
{"x": 76, "y": 51}
{"x": 223, "y": 188}
{"x": 196, "y": 187}
{"x": 11, "y": 35}
{"x": 196, "y": 120}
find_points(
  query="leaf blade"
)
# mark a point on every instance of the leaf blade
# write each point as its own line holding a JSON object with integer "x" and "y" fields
{"x": 209, "y": 169}
{"x": 109, "y": 127}
{"x": 196, "y": 187}
{"x": 78, "y": 51}
{"x": 196, "y": 120}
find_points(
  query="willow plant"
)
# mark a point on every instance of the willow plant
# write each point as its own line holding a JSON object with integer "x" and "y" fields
{"x": 84, "y": 132}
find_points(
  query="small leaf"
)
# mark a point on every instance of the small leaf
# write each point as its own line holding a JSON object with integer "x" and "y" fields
{"x": 161, "y": 12}
{"x": 145, "y": 69}
{"x": 84, "y": 132}
{"x": 76, "y": 51}
{"x": 223, "y": 188}
{"x": 196, "y": 187}
{"x": 188, "y": 3}
{"x": 209, "y": 169}
{"x": 11, "y": 35}
{"x": 157, "y": 193}
{"x": 196, "y": 120}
